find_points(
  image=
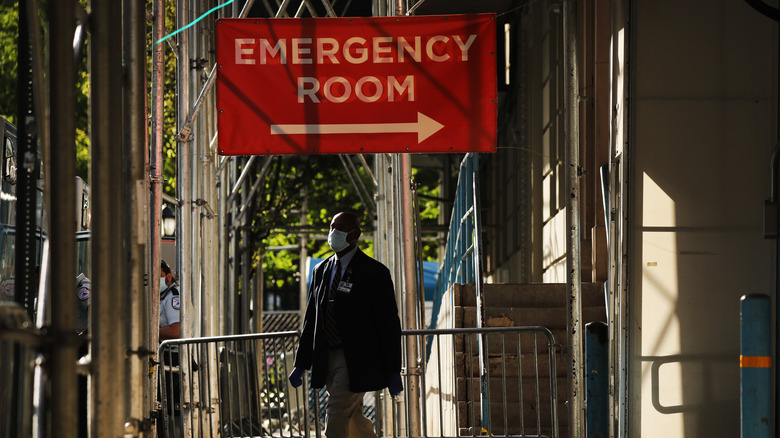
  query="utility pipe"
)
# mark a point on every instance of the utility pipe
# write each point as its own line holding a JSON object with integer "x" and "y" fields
{"x": 573, "y": 256}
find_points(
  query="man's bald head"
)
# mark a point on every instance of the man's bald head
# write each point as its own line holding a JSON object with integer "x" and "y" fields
{"x": 348, "y": 219}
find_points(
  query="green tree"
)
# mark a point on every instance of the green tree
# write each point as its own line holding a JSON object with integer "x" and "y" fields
{"x": 278, "y": 213}
{"x": 329, "y": 191}
{"x": 9, "y": 31}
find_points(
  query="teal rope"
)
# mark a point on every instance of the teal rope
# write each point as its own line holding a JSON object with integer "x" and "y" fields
{"x": 194, "y": 22}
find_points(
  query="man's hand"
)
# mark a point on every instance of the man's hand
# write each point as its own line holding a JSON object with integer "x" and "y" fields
{"x": 296, "y": 377}
{"x": 394, "y": 385}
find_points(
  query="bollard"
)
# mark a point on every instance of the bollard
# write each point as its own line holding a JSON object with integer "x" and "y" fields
{"x": 596, "y": 382}
{"x": 755, "y": 364}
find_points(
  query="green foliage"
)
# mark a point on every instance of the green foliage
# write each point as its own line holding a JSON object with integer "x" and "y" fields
{"x": 428, "y": 181}
{"x": 278, "y": 214}
{"x": 329, "y": 191}
{"x": 9, "y": 31}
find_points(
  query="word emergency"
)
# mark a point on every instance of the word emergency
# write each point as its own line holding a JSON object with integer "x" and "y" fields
{"x": 354, "y": 50}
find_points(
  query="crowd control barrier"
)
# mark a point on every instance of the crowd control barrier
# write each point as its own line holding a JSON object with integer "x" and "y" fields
{"x": 236, "y": 386}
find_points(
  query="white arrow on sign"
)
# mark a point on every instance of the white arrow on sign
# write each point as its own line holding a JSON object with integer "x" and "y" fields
{"x": 424, "y": 127}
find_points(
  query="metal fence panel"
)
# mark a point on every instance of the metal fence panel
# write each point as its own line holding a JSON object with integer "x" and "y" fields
{"x": 238, "y": 387}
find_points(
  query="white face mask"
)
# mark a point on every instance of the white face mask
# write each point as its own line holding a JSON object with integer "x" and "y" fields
{"x": 337, "y": 240}
{"x": 163, "y": 285}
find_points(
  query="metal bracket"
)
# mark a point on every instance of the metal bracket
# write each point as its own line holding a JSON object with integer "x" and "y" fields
{"x": 416, "y": 371}
{"x": 198, "y": 63}
{"x": 185, "y": 134}
{"x": 210, "y": 214}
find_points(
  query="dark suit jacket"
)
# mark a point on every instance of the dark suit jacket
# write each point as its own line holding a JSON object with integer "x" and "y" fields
{"x": 368, "y": 322}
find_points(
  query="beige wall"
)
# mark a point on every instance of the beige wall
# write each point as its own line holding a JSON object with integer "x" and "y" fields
{"x": 702, "y": 128}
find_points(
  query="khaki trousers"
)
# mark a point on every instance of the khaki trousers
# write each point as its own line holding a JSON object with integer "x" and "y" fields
{"x": 344, "y": 413}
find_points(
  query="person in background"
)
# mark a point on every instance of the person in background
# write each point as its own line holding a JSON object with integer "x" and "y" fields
{"x": 169, "y": 304}
{"x": 170, "y": 329}
{"x": 351, "y": 336}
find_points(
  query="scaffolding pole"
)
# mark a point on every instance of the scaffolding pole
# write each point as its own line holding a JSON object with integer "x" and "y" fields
{"x": 155, "y": 193}
{"x": 110, "y": 320}
{"x": 63, "y": 232}
{"x": 410, "y": 295}
{"x": 573, "y": 259}
{"x": 135, "y": 224}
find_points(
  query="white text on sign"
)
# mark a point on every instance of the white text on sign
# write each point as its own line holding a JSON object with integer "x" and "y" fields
{"x": 355, "y": 50}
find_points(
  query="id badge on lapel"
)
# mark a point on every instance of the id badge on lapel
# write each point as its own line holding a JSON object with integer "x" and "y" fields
{"x": 345, "y": 285}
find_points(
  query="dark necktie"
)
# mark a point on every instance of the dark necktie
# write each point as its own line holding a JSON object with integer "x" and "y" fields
{"x": 331, "y": 329}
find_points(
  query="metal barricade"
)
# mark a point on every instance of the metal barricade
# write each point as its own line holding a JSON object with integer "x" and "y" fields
{"x": 520, "y": 383}
{"x": 237, "y": 386}
{"x": 230, "y": 386}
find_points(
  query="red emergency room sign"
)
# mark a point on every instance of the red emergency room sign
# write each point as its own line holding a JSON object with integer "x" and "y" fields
{"x": 356, "y": 85}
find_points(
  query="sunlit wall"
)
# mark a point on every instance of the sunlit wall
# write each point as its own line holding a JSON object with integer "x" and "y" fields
{"x": 702, "y": 126}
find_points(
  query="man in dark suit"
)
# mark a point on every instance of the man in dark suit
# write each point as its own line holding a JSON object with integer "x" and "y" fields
{"x": 351, "y": 334}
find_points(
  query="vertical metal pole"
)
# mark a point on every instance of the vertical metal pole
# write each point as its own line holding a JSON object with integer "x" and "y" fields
{"x": 63, "y": 231}
{"x": 135, "y": 228}
{"x": 410, "y": 297}
{"x": 110, "y": 323}
{"x": 303, "y": 290}
{"x": 596, "y": 380}
{"x": 156, "y": 177}
{"x": 222, "y": 244}
{"x": 410, "y": 285}
{"x": 28, "y": 169}
{"x": 755, "y": 366}
{"x": 419, "y": 258}
{"x": 246, "y": 275}
{"x": 209, "y": 281}
{"x": 195, "y": 235}
{"x": 476, "y": 232}
{"x": 183, "y": 177}
{"x": 186, "y": 184}
{"x": 155, "y": 194}
{"x": 573, "y": 259}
